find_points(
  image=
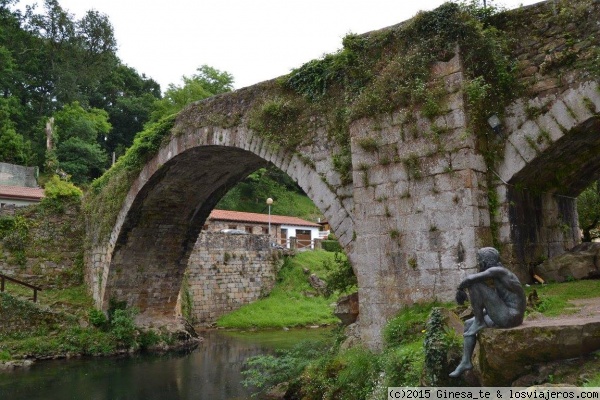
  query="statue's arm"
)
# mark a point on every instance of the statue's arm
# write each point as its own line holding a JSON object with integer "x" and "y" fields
{"x": 490, "y": 273}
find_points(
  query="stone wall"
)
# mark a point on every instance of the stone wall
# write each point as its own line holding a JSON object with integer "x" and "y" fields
{"x": 421, "y": 201}
{"x": 17, "y": 175}
{"x": 227, "y": 271}
{"x": 50, "y": 253}
{"x": 554, "y": 43}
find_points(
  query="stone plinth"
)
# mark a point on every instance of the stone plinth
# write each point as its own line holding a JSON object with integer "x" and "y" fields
{"x": 503, "y": 355}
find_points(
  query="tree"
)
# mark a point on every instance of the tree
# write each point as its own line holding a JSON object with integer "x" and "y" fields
{"x": 249, "y": 195}
{"x": 78, "y": 54}
{"x": 75, "y": 121}
{"x": 82, "y": 160}
{"x": 49, "y": 59}
{"x": 588, "y": 208}
{"x": 13, "y": 147}
{"x": 206, "y": 83}
{"x": 77, "y": 133}
{"x": 128, "y": 97}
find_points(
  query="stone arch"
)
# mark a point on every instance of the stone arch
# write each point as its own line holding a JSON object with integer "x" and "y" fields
{"x": 551, "y": 154}
{"x": 171, "y": 198}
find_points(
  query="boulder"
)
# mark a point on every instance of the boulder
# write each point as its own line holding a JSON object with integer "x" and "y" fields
{"x": 503, "y": 355}
{"x": 352, "y": 337}
{"x": 317, "y": 283}
{"x": 581, "y": 262}
{"x": 346, "y": 308}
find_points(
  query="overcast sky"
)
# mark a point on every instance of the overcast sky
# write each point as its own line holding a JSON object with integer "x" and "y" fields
{"x": 254, "y": 40}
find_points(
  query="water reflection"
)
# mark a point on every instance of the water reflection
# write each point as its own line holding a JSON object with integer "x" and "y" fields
{"x": 212, "y": 371}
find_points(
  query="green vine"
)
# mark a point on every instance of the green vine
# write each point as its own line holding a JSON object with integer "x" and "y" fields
{"x": 105, "y": 199}
{"x": 440, "y": 345}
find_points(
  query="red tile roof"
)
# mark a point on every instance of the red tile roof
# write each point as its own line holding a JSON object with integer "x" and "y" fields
{"x": 224, "y": 215}
{"x": 20, "y": 192}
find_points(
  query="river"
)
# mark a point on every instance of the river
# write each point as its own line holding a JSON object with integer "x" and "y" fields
{"x": 210, "y": 372}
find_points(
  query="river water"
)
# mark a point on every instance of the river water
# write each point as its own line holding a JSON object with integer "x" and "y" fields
{"x": 210, "y": 372}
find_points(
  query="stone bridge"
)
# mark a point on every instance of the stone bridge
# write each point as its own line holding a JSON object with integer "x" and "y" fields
{"x": 411, "y": 181}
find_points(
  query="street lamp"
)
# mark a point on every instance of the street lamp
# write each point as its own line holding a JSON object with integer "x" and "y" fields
{"x": 269, "y": 202}
{"x": 495, "y": 123}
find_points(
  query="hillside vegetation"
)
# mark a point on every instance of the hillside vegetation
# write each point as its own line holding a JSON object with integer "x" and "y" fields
{"x": 64, "y": 323}
{"x": 250, "y": 195}
{"x": 292, "y": 302}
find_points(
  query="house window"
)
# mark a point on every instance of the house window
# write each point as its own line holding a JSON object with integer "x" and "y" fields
{"x": 232, "y": 226}
{"x": 265, "y": 230}
{"x": 248, "y": 229}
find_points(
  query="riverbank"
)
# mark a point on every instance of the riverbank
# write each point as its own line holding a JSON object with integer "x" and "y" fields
{"x": 214, "y": 370}
{"x": 293, "y": 302}
{"x": 63, "y": 324}
{"x": 418, "y": 347}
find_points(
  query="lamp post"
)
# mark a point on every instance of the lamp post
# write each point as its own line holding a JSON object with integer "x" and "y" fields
{"x": 495, "y": 123}
{"x": 269, "y": 202}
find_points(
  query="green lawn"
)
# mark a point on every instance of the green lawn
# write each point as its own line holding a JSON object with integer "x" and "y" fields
{"x": 554, "y": 297}
{"x": 292, "y": 302}
{"x": 74, "y": 300}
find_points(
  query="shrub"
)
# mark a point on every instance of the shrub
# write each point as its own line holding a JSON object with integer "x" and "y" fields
{"x": 267, "y": 371}
{"x": 148, "y": 339}
{"x": 123, "y": 328}
{"x": 407, "y": 325}
{"x": 58, "y": 189}
{"x": 15, "y": 233}
{"x": 442, "y": 350}
{"x": 348, "y": 375}
{"x": 4, "y": 355}
{"x": 341, "y": 276}
{"x": 332, "y": 246}
{"x": 97, "y": 318}
{"x": 403, "y": 365}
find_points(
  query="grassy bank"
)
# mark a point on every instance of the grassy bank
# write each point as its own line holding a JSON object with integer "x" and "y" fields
{"x": 64, "y": 324}
{"x": 416, "y": 346}
{"x": 292, "y": 302}
{"x": 554, "y": 297}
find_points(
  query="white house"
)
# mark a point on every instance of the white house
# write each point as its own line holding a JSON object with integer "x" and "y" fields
{"x": 18, "y": 185}
{"x": 19, "y": 196}
{"x": 282, "y": 227}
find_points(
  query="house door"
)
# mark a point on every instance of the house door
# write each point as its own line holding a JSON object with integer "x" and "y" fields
{"x": 303, "y": 238}
{"x": 283, "y": 240}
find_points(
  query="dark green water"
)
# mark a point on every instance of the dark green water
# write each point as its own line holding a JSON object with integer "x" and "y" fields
{"x": 210, "y": 372}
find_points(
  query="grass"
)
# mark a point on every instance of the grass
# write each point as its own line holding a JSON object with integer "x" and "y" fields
{"x": 74, "y": 300}
{"x": 554, "y": 297}
{"x": 292, "y": 302}
{"x": 51, "y": 328}
{"x": 593, "y": 381}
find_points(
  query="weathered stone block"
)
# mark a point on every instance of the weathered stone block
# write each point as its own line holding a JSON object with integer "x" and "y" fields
{"x": 514, "y": 162}
{"x": 562, "y": 115}
{"x": 505, "y": 354}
